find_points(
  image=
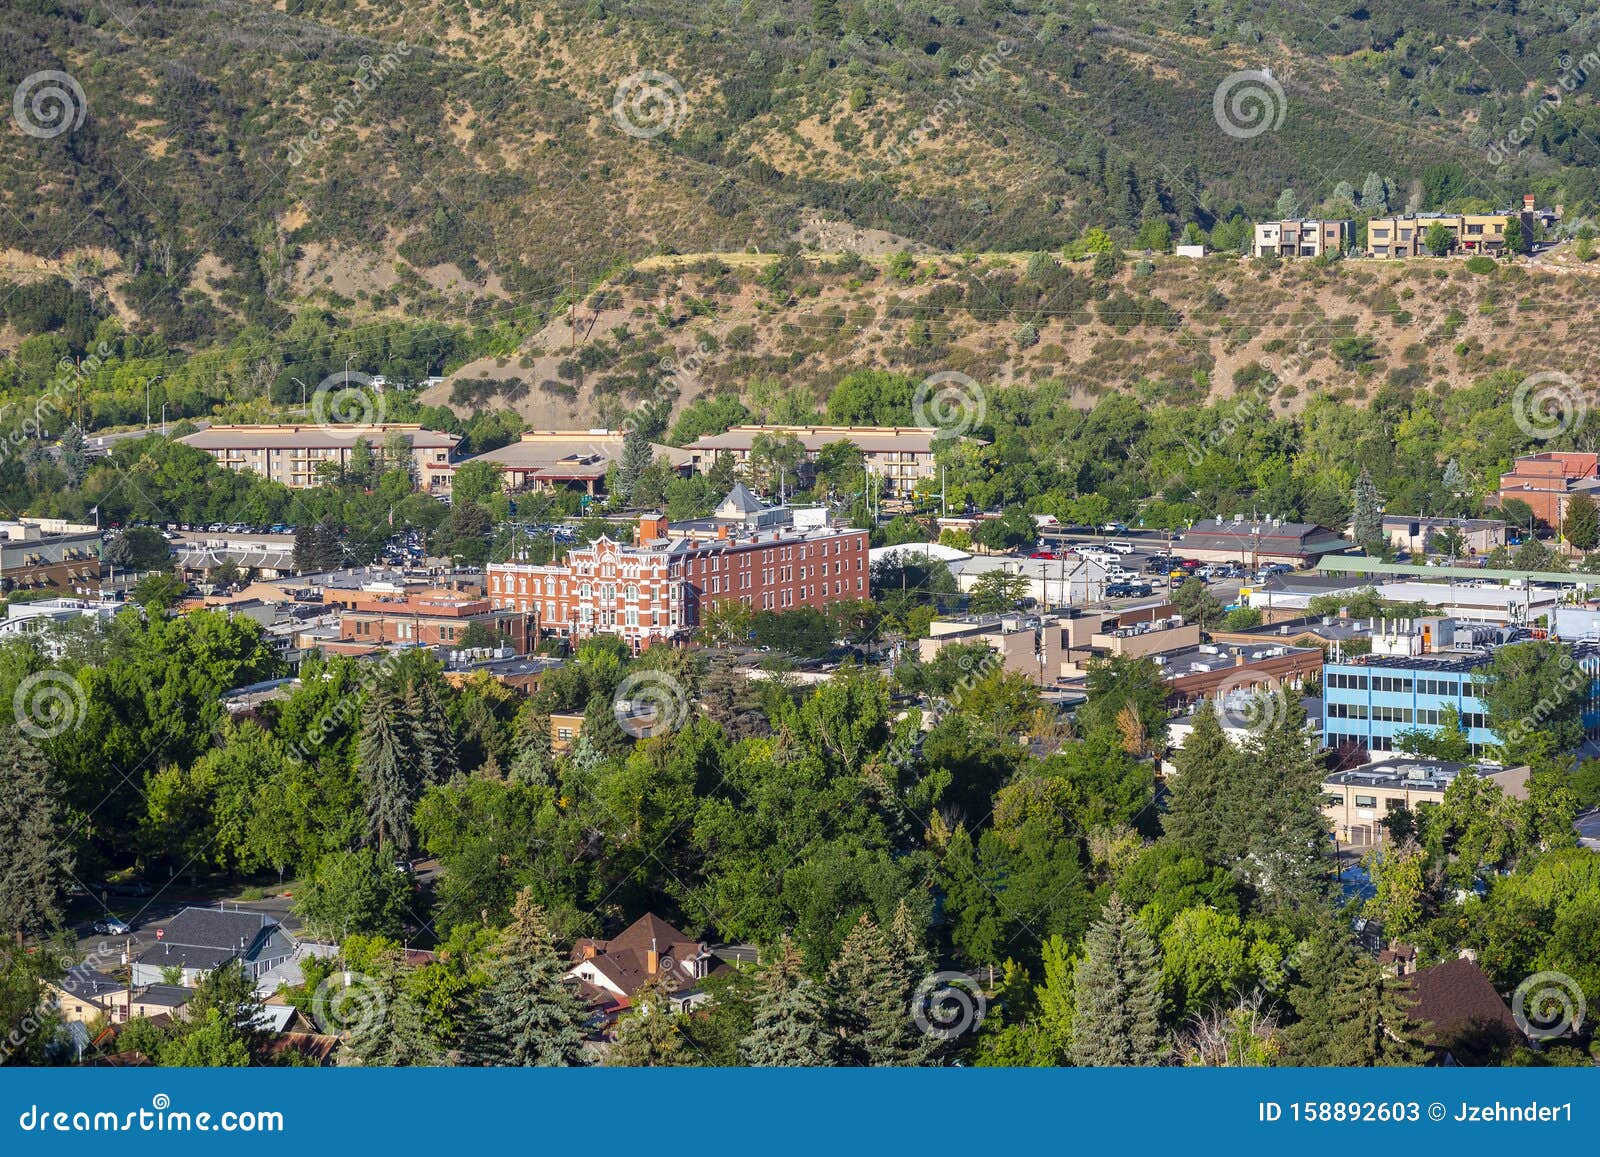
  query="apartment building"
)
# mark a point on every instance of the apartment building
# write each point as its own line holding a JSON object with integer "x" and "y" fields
{"x": 1406, "y": 235}
{"x": 900, "y": 455}
{"x": 1355, "y": 802}
{"x": 1303, "y": 237}
{"x": 1547, "y": 482}
{"x": 292, "y": 454}
{"x": 659, "y": 587}
{"x": 568, "y": 459}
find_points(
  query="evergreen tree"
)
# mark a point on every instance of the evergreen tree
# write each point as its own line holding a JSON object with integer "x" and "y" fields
{"x": 1366, "y": 516}
{"x": 533, "y": 761}
{"x": 1374, "y": 195}
{"x": 1204, "y": 794}
{"x": 74, "y": 460}
{"x": 388, "y": 1027}
{"x": 870, "y": 994}
{"x": 648, "y": 1036}
{"x": 631, "y": 466}
{"x": 1287, "y": 832}
{"x": 1288, "y": 205}
{"x": 791, "y": 1017}
{"x": 385, "y": 768}
{"x": 34, "y": 864}
{"x": 1581, "y": 525}
{"x": 1454, "y": 479}
{"x": 1373, "y": 1020}
{"x": 825, "y": 17}
{"x": 1321, "y": 962}
{"x": 433, "y": 739}
{"x": 528, "y": 1015}
{"x": 1117, "y": 994}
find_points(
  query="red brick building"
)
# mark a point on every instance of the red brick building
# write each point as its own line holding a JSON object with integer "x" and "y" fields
{"x": 1546, "y": 481}
{"x": 659, "y": 587}
{"x": 432, "y": 619}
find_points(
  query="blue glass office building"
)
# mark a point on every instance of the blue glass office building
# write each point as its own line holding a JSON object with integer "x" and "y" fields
{"x": 1370, "y": 700}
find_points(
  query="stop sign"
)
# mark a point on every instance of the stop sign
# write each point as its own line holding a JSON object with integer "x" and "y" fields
{"x": 160, "y": 932}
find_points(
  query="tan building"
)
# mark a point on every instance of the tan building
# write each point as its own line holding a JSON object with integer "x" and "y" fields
{"x": 1356, "y": 802}
{"x": 47, "y": 554}
{"x": 1054, "y": 647}
{"x": 1300, "y": 237}
{"x": 292, "y": 454}
{"x": 1406, "y": 235}
{"x": 901, "y": 455}
{"x": 579, "y": 459}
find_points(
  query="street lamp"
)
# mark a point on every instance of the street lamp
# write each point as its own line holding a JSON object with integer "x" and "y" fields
{"x": 302, "y": 386}
{"x": 163, "y": 419}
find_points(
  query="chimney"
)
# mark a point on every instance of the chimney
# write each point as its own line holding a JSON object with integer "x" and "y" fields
{"x": 1239, "y": 659}
{"x": 722, "y": 531}
{"x": 1527, "y": 202}
{"x": 588, "y": 950}
{"x": 652, "y": 959}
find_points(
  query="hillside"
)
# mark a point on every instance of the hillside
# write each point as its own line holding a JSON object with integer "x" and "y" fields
{"x": 239, "y": 159}
{"x": 784, "y": 330}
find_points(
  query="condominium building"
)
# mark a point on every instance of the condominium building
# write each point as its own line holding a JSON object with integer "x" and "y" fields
{"x": 660, "y": 586}
{"x": 1303, "y": 237}
{"x": 292, "y": 454}
{"x": 1406, "y": 235}
{"x": 901, "y": 456}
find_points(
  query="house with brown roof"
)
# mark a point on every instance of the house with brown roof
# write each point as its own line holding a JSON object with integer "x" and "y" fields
{"x": 610, "y": 972}
{"x": 1464, "y": 1020}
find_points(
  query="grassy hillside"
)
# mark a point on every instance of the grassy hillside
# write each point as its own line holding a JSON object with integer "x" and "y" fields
{"x": 238, "y": 159}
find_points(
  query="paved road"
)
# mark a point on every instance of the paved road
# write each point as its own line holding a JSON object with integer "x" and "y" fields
{"x": 1588, "y": 825}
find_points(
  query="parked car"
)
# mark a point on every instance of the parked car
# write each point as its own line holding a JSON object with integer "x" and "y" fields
{"x": 1190, "y": 564}
{"x": 1128, "y": 590}
{"x": 111, "y": 926}
{"x": 1160, "y": 564}
{"x": 1119, "y": 546}
{"x": 1042, "y": 554}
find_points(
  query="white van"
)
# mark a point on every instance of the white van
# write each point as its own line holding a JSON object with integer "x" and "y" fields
{"x": 1120, "y": 546}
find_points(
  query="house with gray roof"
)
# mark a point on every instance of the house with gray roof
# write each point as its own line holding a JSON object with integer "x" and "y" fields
{"x": 198, "y": 941}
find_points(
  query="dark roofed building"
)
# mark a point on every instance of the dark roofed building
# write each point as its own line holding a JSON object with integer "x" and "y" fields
{"x": 1464, "y": 1020}
{"x": 610, "y": 972}
{"x": 1253, "y": 542}
{"x": 201, "y": 940}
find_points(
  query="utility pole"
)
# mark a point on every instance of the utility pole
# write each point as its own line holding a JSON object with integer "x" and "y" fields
{"x": 572, "y": 304}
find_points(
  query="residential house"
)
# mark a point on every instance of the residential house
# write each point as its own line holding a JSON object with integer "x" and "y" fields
{"x": 197, "y": 941}
{"x": 1464, "y": 1021}
{"x": 1303, "y": 237}
{"x": 610, "y": 973}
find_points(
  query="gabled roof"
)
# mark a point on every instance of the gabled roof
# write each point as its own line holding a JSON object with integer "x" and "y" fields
{"x": 1463, "y": 1018}
{"x": 739, "y": 502}
{"x": 207, "y": 938}
{"x": 87, "y": 984}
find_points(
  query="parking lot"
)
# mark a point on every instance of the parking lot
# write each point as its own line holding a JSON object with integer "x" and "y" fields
{"x": 1144, "y": 559}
